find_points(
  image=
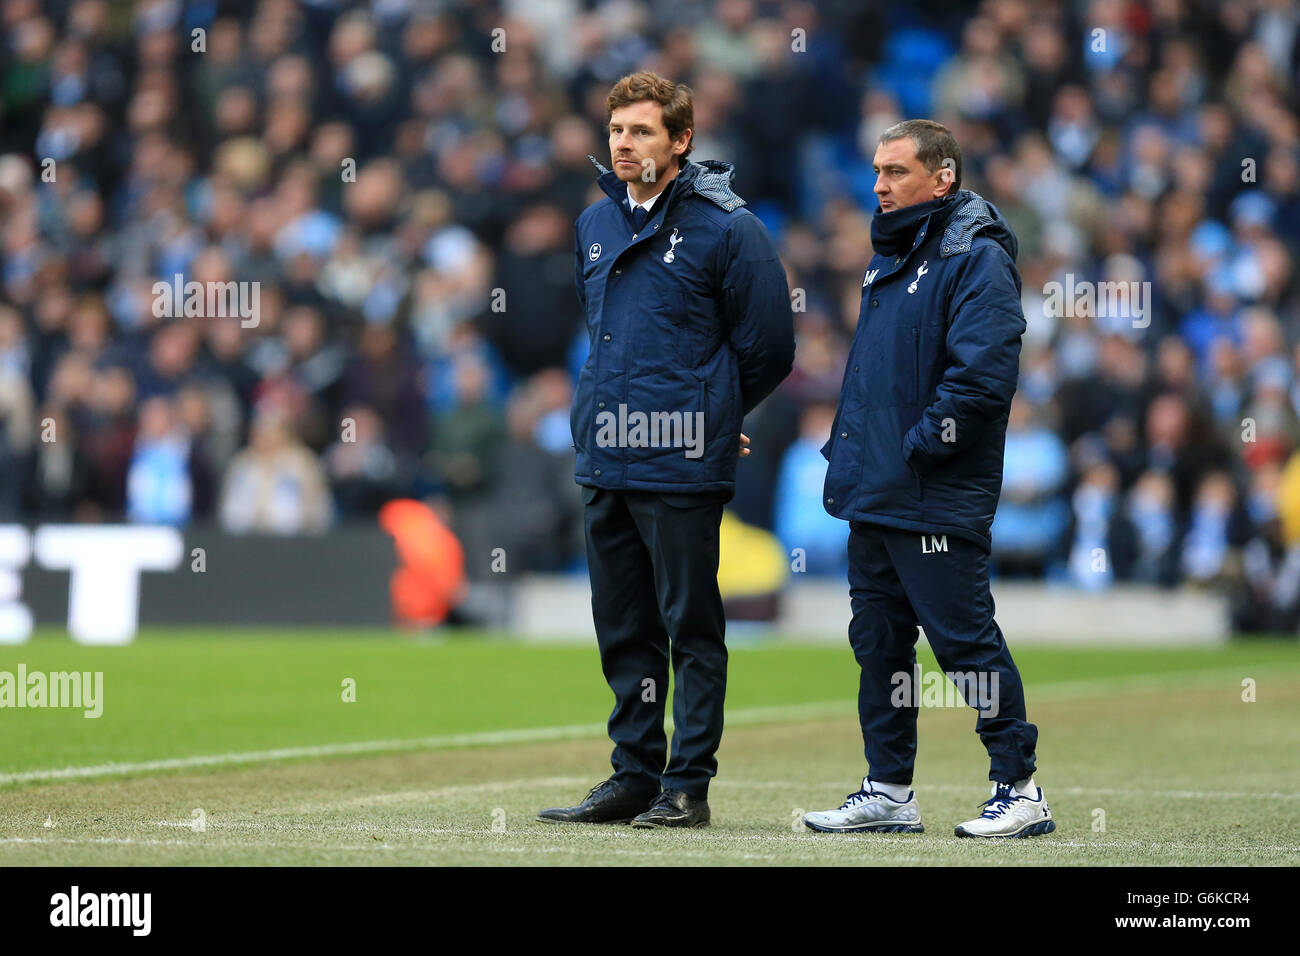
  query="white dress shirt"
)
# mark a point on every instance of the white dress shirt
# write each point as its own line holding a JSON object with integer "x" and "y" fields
{"x": 647, "y": 205}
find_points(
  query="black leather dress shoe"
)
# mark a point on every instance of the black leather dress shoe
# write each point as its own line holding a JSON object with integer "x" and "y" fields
{"x": 608, "y": 802}
{"x": 674, "y": 808}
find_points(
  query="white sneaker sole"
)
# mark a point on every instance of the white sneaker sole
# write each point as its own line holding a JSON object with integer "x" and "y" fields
{"x": 882, "y": 826}
{"x": 1034, "y": 828}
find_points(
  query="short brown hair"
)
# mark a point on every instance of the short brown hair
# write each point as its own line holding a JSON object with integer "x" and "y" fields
{"x": 935, "y": 146}
{"x": 675, "y": 98}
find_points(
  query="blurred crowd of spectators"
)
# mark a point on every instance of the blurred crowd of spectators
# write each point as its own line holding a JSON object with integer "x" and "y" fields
{"x": 401, "y": 179}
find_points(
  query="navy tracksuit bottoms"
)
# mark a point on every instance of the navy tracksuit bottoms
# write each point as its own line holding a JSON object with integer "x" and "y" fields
{"x": 653, "y": 560}
{"x": 897, "y": 580}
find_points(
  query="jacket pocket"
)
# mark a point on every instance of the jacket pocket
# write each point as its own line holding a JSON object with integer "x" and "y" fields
{"x": 883, "y": 465}
{"x": 688, "y": 341}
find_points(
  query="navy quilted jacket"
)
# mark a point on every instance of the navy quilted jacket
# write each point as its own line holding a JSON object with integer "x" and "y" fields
{"x": 921, "y": 426}
{"x": 690, "y": 326}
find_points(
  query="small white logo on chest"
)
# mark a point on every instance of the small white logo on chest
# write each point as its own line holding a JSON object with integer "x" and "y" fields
{"x": 669, "y": 256}
{"x": 869, "y": 277}
{"x": 920, "y": 271}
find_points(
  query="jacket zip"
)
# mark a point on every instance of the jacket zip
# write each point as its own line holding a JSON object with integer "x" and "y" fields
{"x": 916, "y": 397}
{"x": 916, "y": 366}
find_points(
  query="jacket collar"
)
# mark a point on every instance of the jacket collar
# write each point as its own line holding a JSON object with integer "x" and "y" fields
{"x": 710, "y": 179}
{"x": 895, "y": 232}
{"x": 961, "y": 217}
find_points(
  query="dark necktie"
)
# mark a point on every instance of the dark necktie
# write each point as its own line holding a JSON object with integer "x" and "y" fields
{"x": 639, "y": 216}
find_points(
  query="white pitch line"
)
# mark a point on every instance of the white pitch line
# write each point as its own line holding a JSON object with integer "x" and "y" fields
{"x": 855, "y": 840}
{"x": 455, "y": 790}
{"x": 708, "y": 836}
{"x": 540, "y": 832}
{"x": 1105, "y": 686}
{"x": 323, "y": 827}
{"x": 1138, "y": 844}
{"x": 1121, "y": 684}
{"x": 717, "y": 840}
{"x": 674, "y": 853}
{"x": 441, "y": 742}
{"x": 45, "y": 841}
{"x": 440, "y": 793}
{"x": 486, "y": 738}
{"x": 144, "y": 841}
{"x": 702, "y": 837}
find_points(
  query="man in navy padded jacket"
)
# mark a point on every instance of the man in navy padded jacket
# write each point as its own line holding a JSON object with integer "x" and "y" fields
{"x": 916, "y": 469}
{"x": 688, "y": 313}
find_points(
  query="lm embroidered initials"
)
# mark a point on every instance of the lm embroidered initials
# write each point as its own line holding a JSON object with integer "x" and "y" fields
{"x": 935, "y": 544}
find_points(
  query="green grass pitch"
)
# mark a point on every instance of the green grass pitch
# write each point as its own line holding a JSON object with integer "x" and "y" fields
{"x": 239, "y": 748}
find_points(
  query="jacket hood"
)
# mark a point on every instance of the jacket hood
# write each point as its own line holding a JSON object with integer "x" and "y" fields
{"x": 975, "y": 215}
{"x": 710, "y": 179}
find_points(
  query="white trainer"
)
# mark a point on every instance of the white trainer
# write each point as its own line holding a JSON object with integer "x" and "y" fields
{"x": 1009, "y": 813}
{"x": 869, "y": 810}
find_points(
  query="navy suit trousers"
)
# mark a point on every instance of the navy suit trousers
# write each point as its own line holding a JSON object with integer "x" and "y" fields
{"x": 653, "y": 560}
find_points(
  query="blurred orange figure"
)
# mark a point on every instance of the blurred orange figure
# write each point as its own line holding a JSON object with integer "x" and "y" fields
{"x": 430, "y": 577}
